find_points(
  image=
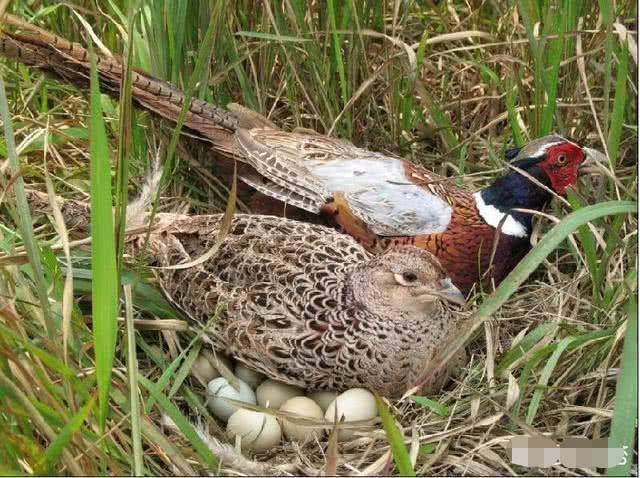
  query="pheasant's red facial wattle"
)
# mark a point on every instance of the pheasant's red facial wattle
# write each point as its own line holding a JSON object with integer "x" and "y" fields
{"x": 561, "y": 165}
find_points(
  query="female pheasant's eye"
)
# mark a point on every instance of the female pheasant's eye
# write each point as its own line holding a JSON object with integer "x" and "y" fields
{"x": 409, "y": 277}
{"x": 561, "y": 159}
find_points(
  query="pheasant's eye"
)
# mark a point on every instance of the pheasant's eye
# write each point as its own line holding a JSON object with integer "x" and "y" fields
{"x": 409, "y": 277}
{"x": 561, "y": 159}
{"x": 406, "y": 279}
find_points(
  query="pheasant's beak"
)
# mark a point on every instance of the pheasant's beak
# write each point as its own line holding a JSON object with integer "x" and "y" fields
{"x": 590, "y": 157}
{"x": 448, "y": 292}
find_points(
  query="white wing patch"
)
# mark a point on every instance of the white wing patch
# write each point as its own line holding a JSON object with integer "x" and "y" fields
{"x": 380, "y": 194}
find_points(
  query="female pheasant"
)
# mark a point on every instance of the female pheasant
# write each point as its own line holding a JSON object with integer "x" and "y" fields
{"x": 299, "y": 302}
{"x": 307, "y": 305}
{"x": 380, "y": 200}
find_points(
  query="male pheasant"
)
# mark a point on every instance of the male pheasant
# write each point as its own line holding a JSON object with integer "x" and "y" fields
{"x": 301, "y": 303}
{"x": 380, "y": 200}
{"x": 384, "y": 201}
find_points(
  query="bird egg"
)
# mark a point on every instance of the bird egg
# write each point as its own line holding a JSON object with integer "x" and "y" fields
{"x": 354, "y": 404}
{"x": 323, "y": 399}
{"x": 204, "y": 370}
{"x": 250, "y": 377}
{"x": 275, "y": 393}
{"x": 219, "y": 389}
{"x": 306, "y": 408}
{"x": 258, "y": 431}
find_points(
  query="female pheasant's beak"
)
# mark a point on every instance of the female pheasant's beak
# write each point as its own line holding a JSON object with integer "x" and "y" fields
{"x": 448, "y": 292}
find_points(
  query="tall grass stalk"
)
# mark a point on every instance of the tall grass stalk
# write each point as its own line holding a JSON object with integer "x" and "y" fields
{"x": 204, "y": 53}
{"x": 22, "y": 215}
{"x": 125, "y": 146}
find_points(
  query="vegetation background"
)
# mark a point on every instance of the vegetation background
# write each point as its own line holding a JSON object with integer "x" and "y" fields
{"x": 448, "y": 84}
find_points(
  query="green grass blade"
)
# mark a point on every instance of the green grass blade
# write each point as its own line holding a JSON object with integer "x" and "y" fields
{"x": 125, "y": 147}
{"x": 185, "y": 369}
{"x": 204, "y": 55}
{"x": 176, "y": 21}
{"x": 588, "y": 242}
{"x": 445, "y": 127}
{"x": 339, "y": 61}
{"x": 168, "y": 373}
{"x": 526, "y": 344}
{"x": 511, "y": 99}
{"x": 619, "y": 105}
{"x": 24, "y": 219}
{"x": 623, "y": 425}
{"x": 163, "y": 381}
{"x": 103, "y": 259}
{"x": 36, "y": 418}
{"x": 529, "y": 19}
{"x": 53, "y": 138}
{"x": 132, "y": 366}
{"x": 550, "y": 76}
{"x": 272, "y": 37}
{"x": 51, "y": 361}
{"x": 182, "y": 423}
{"x": 606, "y": 11}
{"x": 432, "y": 404}
{"x": 58, "y": 445}
{"x": 547, "y": 244}
{"x": 145, "y": 296}
{"x": 545, "y": 376}
{"x": 6, "y": 471}
{"x": 613, "y": 240}
{"x": 396, "y": 440}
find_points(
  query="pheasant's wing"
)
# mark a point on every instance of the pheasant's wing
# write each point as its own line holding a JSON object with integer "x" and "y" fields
{"x": 379, "y": 192}
{"x": 375, "y": 186}
{"x": 275, "y": 155}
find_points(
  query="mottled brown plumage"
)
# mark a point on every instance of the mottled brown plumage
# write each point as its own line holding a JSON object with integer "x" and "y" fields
{"x": 299, "y": 302}
{"x": 305, "y": 304}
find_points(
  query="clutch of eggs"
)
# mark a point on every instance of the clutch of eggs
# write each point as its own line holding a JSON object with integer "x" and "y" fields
{"x": 260, "y": 431}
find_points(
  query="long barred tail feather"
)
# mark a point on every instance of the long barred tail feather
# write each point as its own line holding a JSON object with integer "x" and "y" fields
{"x": 38, "y": 48}
{"x": 229, "y": 133}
